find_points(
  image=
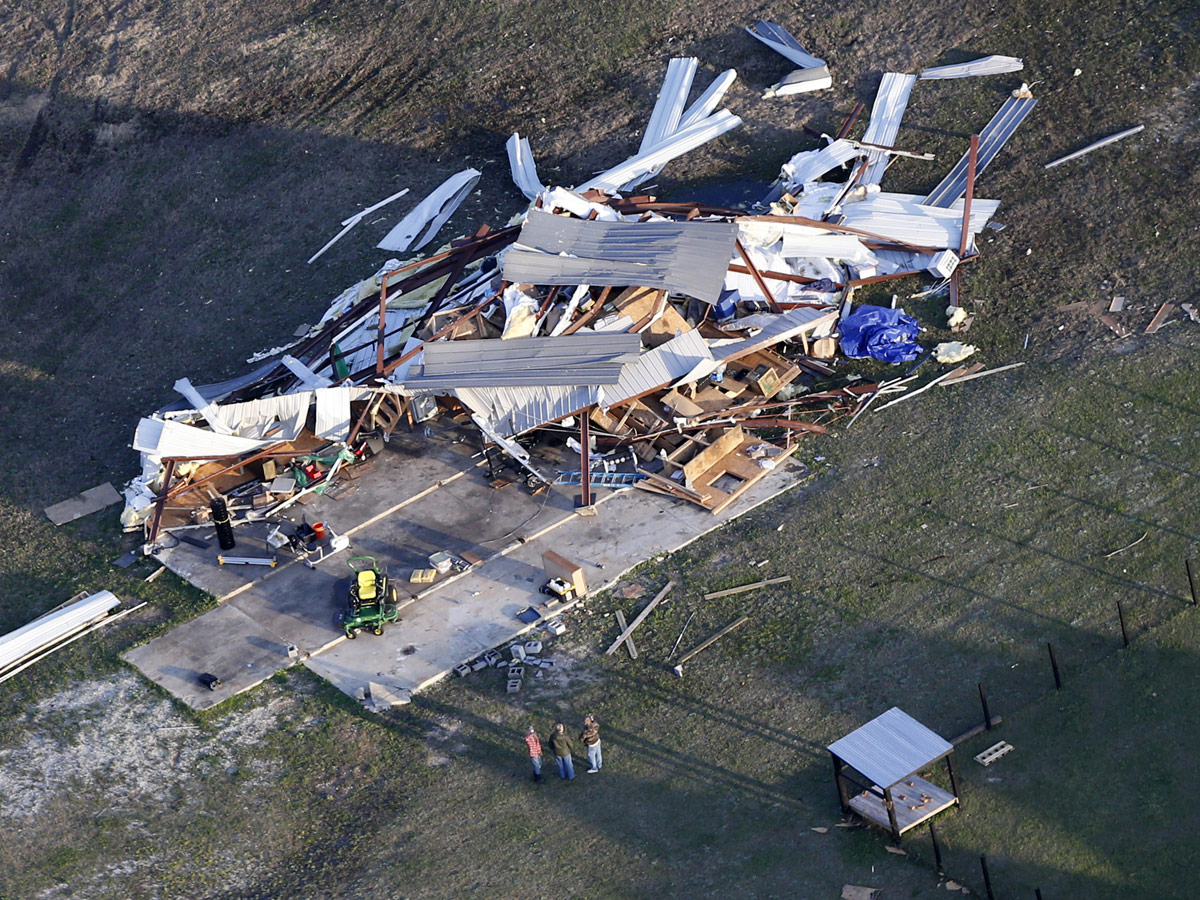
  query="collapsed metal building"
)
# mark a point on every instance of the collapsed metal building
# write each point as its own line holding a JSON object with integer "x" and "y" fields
{"x": 683, "y": 344}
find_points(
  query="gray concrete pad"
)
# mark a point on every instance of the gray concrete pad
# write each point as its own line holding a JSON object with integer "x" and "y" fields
{"x": 407, "y": 506}
{"x": 459, "y": 620}
{"x": 224, "y": 642}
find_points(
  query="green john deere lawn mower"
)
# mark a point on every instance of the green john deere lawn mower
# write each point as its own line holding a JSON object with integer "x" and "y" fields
{"x": 372, "y": 601}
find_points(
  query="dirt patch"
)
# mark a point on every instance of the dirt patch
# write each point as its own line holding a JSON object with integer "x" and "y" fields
{"x": 119, "y": 735}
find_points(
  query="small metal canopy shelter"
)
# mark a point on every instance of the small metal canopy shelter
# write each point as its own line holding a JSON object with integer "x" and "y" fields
{"x": 889, "y": 751}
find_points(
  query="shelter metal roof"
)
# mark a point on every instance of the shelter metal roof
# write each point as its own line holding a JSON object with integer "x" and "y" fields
{"x": 994, "y": 135}
{"x": 685, "y": 257}
{"x": 682, "y": 141}
{"x": 890, "y": 747}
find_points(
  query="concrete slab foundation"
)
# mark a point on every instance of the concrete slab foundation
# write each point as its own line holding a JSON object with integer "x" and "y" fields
{"x": 424, "y": 494}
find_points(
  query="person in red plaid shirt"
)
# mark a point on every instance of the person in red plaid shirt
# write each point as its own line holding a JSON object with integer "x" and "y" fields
{"x": 535, "y": 751}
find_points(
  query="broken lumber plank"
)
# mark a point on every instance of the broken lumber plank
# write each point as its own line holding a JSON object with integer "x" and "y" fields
{"x": 972, "y": 375}
{"x": 919, "y": 390}
{"x": 641, "y": 617}
{"x": 1116, "y": 327}
{"x": 729, "y": 592}
{"x": 708, "y": 642}
{"x": 629, "y": 645}
{"x": 670, "y": 485}
{"x": 1160, "y": 317}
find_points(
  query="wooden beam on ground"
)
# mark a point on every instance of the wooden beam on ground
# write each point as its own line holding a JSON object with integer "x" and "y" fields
{"x": 641, "y": 617}
{"x": 973, "y": 375}
{"x": 747, "y": 587}
{"x": 591, "y": 313}
{"x": 1159, "y": 317}
{"x": 708, "y": 642}
{"x": 629, "y": 640}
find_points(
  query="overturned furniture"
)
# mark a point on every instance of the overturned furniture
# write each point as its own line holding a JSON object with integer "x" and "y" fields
{"x": 890, "y": 751}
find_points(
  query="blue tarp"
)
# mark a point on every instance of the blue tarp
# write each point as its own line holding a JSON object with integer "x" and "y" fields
{"x": 880, "y": 333}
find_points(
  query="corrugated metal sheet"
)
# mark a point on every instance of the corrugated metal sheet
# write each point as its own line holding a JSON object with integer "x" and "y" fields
{"x": 985, "y": 65}
{"x": 422, "y": 223}
{"x": 163, "y": 439}
{"x": 666, "y": 364}
{"x": 254, "y": 418}
{"x": 890, "y": 747}
{"x": 828, "y": 246}
{"x": 457, "y": 357}
{"x": 523, "y": 167}
{"x": 307, "y": 376}
{"x": 667, "y": 112}
{"x": 52, "y": 627}
{"x": 333, "y": 413}
{"x": 684, "y": 257}
{"x": 809, "y": 165}
{"x": 582, "y": 359}
{"x": 890, "y": 103}
{"x": 903, "y": 218}
{"x": 707, "y": 102}
{"x": 997, "y": 132}
{"x": 511, "y": 411}
{"x": 775, "y": 327}
{"x": 681, "y": 142}
{"x": 210, "y": 412}
{"x": 781, "y": 41}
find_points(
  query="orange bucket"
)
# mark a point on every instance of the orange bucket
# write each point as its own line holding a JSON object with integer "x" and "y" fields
{"x": 319, "y": 530}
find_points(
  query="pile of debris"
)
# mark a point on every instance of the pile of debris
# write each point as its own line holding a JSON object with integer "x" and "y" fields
{"x": 687, "y": 346}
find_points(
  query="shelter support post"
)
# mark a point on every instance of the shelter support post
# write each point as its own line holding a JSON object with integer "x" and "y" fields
{"x": 891, "y": 811}
{"x": 840, "y": 780}
{"x": 953, "y": 780}
{"x": 161, "y": 503}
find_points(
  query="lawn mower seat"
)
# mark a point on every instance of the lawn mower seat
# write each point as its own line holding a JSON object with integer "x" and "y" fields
{"x": 366, "y": 585}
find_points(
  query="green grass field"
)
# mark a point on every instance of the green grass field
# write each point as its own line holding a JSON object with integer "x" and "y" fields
{"x": 168, "y": 170}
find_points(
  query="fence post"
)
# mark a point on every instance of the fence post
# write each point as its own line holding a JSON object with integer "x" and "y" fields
{"x": 1187, "y": 564}
{"x": 987, "y": 716}
{"x": 1037, "y": 893}
{"x": 987, "y": 879}
{"x": 1121, "y": 616}
{"x": 1054, "y": 667}
{"x": 937, "y": 850}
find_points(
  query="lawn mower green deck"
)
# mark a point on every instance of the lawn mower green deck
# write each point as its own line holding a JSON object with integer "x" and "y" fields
{"x": 372, "y": 600}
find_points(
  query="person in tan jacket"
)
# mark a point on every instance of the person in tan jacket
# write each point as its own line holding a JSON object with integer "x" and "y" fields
{"x": 591, "y": 740}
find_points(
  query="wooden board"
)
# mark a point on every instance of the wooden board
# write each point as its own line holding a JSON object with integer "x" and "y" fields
{"x": 871, "y": 807}
{"x": 90, "y": 501}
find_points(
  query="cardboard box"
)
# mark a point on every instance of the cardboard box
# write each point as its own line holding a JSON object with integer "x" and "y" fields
{"x": 558, "y": 566}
